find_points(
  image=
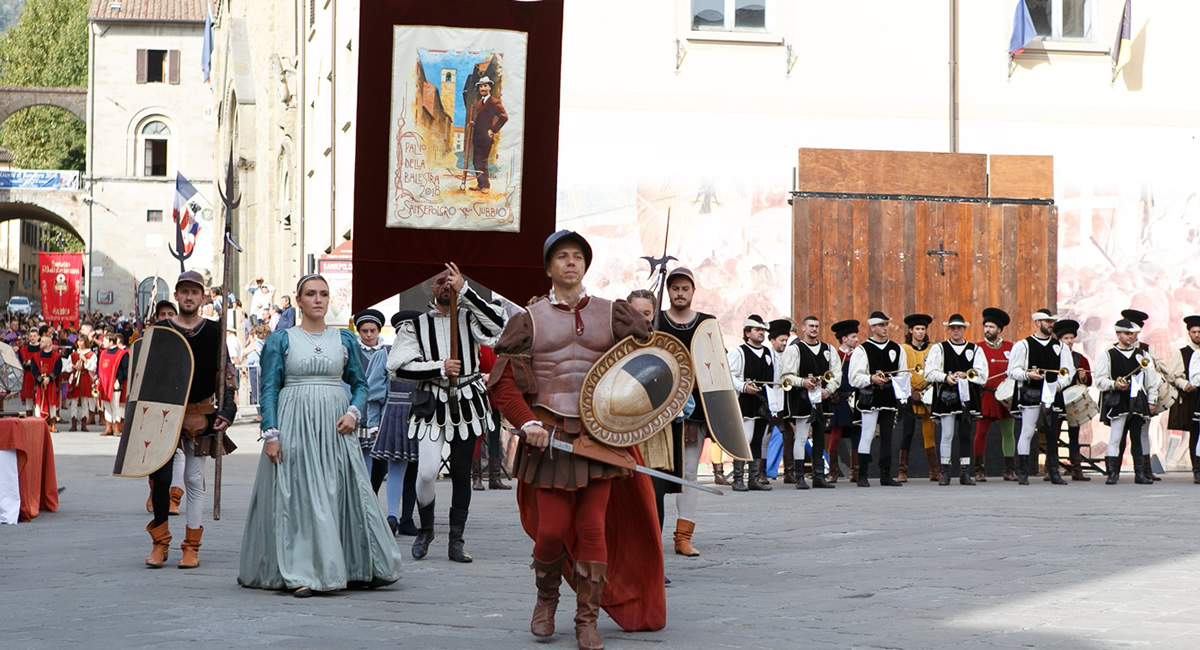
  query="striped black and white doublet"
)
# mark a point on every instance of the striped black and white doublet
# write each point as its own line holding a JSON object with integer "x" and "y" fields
{"x": 419, "y": 353}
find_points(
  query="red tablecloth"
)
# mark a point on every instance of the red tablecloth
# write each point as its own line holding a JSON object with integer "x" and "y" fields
{"x": 30, "y": 437}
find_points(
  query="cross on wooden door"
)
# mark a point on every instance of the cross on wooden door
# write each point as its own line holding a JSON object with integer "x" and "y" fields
{"x": 941, "y": 252}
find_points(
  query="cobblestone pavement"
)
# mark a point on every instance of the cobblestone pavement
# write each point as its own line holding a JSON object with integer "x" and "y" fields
{"x": 997, "y": 565}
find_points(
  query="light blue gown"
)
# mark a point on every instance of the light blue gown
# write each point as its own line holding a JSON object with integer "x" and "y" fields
{"x": 313, "y": 519}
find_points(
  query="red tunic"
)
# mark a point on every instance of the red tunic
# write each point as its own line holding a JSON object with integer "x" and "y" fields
{"x": 79, "y": 386}
{"x": 48, "y": 365}
{"x": 28, "y": 385}
{"x": 997, "y": 364}
{"x": 110, "y": 361}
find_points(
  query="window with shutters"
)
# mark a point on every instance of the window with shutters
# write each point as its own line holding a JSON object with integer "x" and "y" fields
{"x": 158, "y": 66}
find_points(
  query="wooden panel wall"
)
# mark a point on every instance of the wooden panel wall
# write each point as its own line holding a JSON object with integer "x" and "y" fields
{"x": 1021, "y": 177}
{"x": 892, "y": 172}
{"x": 853, "y": 256}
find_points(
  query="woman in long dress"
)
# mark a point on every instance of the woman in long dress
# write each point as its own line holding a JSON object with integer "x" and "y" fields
{"x": 314, "y": 523}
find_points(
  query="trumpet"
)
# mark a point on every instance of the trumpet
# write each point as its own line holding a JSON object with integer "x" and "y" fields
{"x": 1061, "y": 372}
{"x": 792, "y": 381}
{"x": 1143, "y": 363}
{"x": 919, "y": 369}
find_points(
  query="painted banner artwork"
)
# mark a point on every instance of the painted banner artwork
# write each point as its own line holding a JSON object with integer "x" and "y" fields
{"x": 457, "y": 128}
{"x": 61, "y": 276}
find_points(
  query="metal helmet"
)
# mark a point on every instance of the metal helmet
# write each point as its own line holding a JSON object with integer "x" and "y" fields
{"x": 561, "y": 237}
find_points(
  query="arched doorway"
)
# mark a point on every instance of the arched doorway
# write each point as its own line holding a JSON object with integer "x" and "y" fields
{"x": 149, "y": 292}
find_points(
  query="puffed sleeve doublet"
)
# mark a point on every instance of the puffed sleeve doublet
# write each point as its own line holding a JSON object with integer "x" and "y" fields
{"x": 353, "y": 373}
{"x": 271, "y": 377}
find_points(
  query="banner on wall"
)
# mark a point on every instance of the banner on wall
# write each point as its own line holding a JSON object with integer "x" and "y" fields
{"x": 61, "y": 278}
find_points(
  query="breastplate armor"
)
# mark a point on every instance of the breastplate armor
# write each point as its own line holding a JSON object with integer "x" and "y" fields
{"x": 562, "y": 357}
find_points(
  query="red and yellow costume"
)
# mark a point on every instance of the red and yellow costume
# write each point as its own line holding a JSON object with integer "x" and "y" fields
{"x": 79, "y": 382}
{"x": 595, "y": 520}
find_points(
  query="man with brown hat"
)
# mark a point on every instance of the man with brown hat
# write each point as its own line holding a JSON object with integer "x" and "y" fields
{"x": 488, "y": 118}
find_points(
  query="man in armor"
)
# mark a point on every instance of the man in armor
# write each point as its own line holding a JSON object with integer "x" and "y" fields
{"x": 956, "y": 369}
{"x": 567, "y": 499}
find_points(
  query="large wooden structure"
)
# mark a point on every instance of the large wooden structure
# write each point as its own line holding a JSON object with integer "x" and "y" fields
{"x": 935, "y": 233}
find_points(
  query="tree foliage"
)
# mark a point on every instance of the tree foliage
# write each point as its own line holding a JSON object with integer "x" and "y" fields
{"x": 47, "y": 46}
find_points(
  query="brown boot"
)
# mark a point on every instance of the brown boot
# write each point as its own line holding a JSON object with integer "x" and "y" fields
{"x": 162, "y": 543}
{"x": 902, "y": 474}
{"x": 191, "y": 546}
{"x": 589, "y": 589}
{"x": 547, "y": 577}
{"x": 980, "y": 470}
{"x": 719, "y": 474}
{"x": 176, "y": 497}
{"x": 789, "y": 473}
{"x": 83, "y": 425}
{"x": 150, "y": 498}
{"x": 74, "y": 424}
{"x": 494, "y": 482}
{"x": 935, "y": 468}
{"x": 1077, "y": 468}
{"x": 853, "y": 464}
{"x": 683, "y": 538}
{"x": 835, "y": 466}
{"x": 476, "y": 470}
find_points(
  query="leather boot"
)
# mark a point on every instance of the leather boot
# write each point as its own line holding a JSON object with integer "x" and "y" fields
{"x": 885, "y": 473}
{"x": 719, "y": 474}
{"x": 1023, "y": 469}
{"x": 756, "y": 476}
{"x": 964, "y": 469}
{"x": 1145, "y": 463}
{"x": 83, "y": 425}
{"x": 424, "y": 538}
{"x": 150, "y": 497}
{"x": 191, "y": 548}
{"x": 458, "y": 523}
{"x": 935, "y": 469}
{"x": 548, "y": 578}
{"x": 494, "y": 482}
{"x": 902, "y": 474}
{"x": 408, "y": 527}
{"x": 1112, "y": 467}
{"x": 176, "y": 498}
{"x": 1052, "y": 472}
{"x": 683, "y": 538}
{"x": 476, "y": 469}
{"x": 162, "y": 543}
{"x": 980, "y": 471}
{"x": 1010, "y": 470}
{"x": 853, "y": 464}
{"x": 860, "y": 473}
{"x": 1139, "y": 473}
{"x": 945, "y": 471}
{"x": 818, "y": 480}
{"x": 790, "y": 474}
{"x": 739, "y": 468}
{"x": 1077, "y": 468}
{"x": 590, "y": 578}
{"x": 74, "y": 424}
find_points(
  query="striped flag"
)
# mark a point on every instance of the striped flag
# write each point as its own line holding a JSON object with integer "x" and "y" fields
{"x": 1023, "y": 30}
{"x": 1120, "y": 50}
{"x": 185, "y": 212}
{"x": 207, "y": 45}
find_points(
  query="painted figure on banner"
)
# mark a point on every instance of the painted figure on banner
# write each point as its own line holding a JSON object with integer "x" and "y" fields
{"x": 457, "y": 129}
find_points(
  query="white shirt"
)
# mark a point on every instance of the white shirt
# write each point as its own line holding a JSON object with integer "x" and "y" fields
{"x": 860, "y": 366}
{"x": 1106, "y": 382}
{"x": 737, "y": 364}
{"x": 791, "y": 363}
{"x": 1018, "y": 361}
{"x": 935, "y": 363}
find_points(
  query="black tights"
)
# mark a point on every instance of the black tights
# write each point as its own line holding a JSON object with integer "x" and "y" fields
{"x": 160, "y": 493}
{"x": 379, "y": 470}
{"x": 460, "y": 472}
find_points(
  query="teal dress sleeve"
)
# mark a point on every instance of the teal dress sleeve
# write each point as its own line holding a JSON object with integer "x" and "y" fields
{"x": 270, "y": 375}
{"x": 353, "y": 374}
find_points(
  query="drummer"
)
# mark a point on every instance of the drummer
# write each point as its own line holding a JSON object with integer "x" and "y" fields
{"x": 1067, "y": 331}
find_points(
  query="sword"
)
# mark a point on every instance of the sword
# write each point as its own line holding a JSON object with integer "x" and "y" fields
{"x": 569, "y": 448}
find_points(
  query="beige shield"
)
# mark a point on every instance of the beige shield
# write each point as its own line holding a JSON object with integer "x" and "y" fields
{"x": 160, "y": 377}
{"x": 717, "y": 394}
{"x": 635, "y": 389}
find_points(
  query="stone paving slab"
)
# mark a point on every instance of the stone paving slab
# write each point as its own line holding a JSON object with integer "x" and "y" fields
{"x": 923, "y": 566}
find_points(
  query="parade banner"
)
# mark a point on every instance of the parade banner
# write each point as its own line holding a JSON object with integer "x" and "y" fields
{"x": 61, "y": 277}
{"x": 468, "y": 95}
{"x": 13, "y": 179}
{"x": 457, "y": 128}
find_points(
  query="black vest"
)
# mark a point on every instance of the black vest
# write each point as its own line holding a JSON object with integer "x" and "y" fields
{"x": 1186, "y": 410}
{"x": 885, "y": 359}
{"x": 1045, "y": 357}
{"x": 685, "y": 334}
{"x": 811, "y": 365}
{"x": 946, "y": 400}
{"x": 760, "y": 369}
{"x": 1114, "y": 402}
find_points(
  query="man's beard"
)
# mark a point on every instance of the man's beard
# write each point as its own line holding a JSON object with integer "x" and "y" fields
{"x": 677, "y": 307}
{"x": 183, "y": 311}
{"x": 443, "y": 299}
{"x": 991, "y": 338}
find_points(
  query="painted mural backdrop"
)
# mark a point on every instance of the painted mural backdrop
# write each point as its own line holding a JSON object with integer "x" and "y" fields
{"x": 1130, "y": 240}
{"x": 457, "y": 129}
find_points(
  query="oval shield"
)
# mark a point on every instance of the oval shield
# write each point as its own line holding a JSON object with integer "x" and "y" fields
{"x": 635, "y": 389}
{"x": 160, "y": 377}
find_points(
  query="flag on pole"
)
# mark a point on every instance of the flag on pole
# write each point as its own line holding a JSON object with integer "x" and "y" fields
{"x": 1120, "y": 50}
{"x": 185, "y": 212}
{"x": 1023, "y": 30}
{"x": 206, "y": 52}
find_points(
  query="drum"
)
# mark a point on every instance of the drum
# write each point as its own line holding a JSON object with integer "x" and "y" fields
{"x": 1080, "y": 405}
{"x": 1004, "y": 392}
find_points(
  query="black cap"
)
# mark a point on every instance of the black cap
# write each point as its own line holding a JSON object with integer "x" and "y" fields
{"x": 778, "y": 327}
{"x": 844, "y": 327}
{"x": 1135, "y": 316}
{"x": 912, "y": 320}
{"x": 404, "y": 315}
{"x": 561, "y": 237}
{"x": 1066, "y": 326}
{"x": 368, "y": 316}
{"x": 1191, "y": 321}
{"x": 997, "y": 316}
